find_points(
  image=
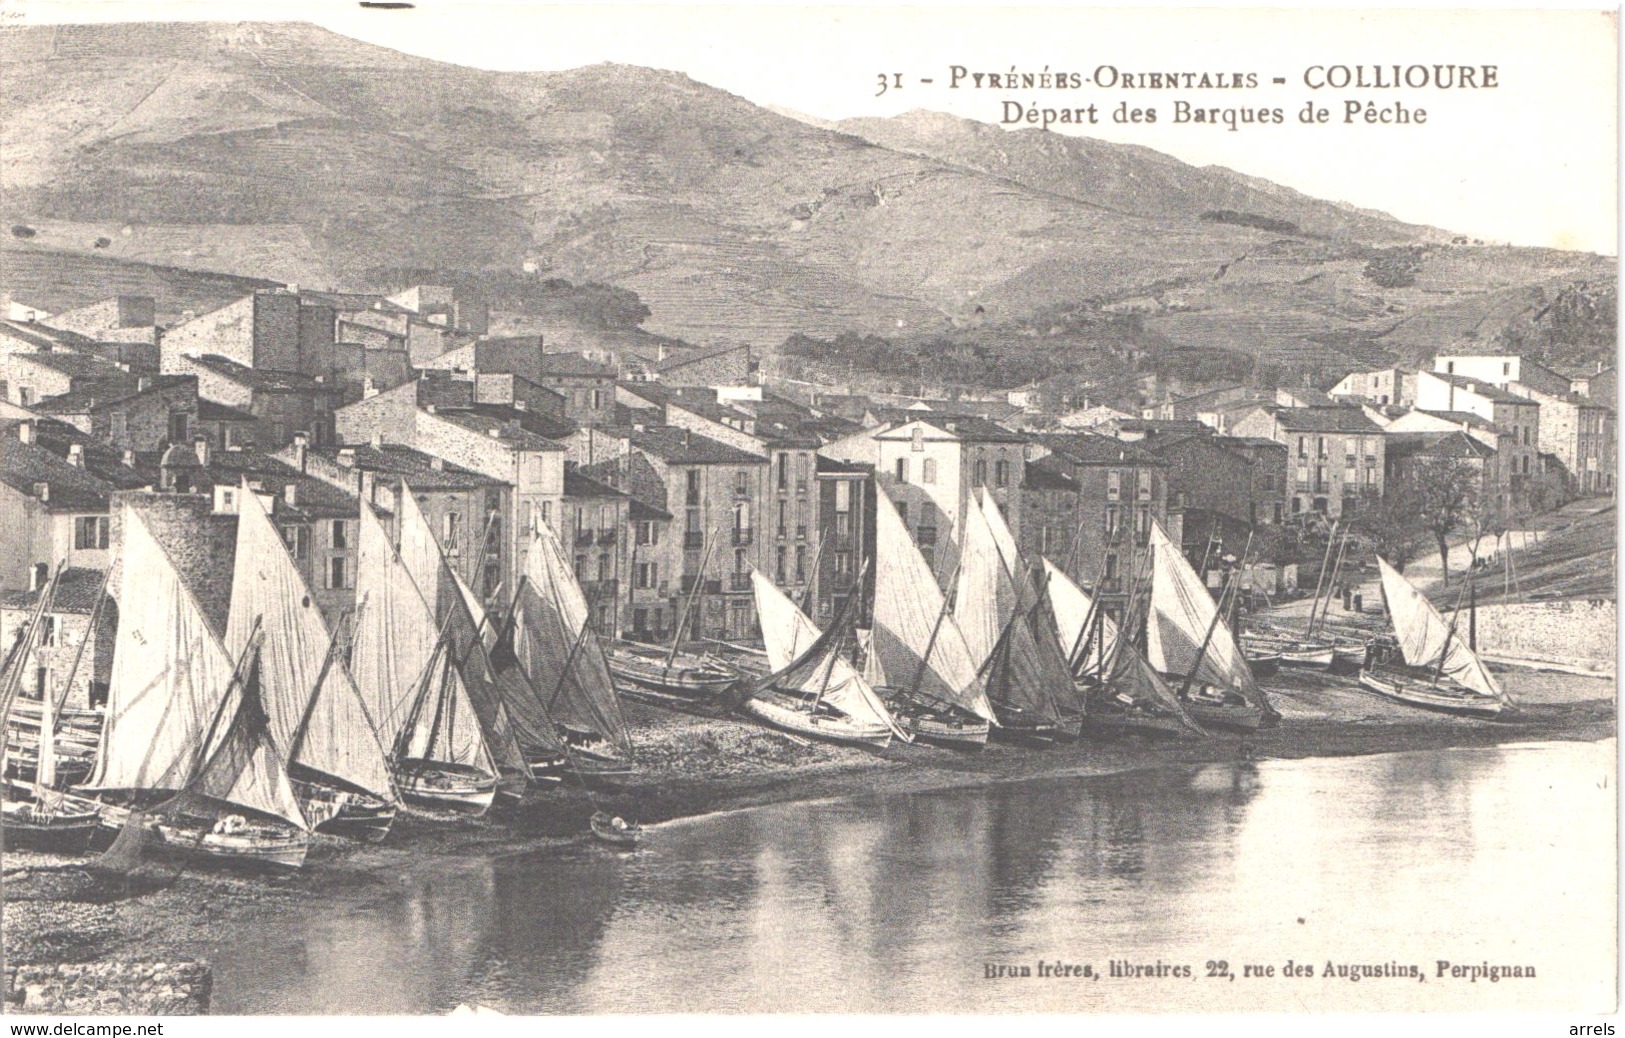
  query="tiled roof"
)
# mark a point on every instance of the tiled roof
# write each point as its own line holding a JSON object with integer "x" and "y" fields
{"x": 76, "y": 592}
{"x": 683, "y": 447}
{"x": 641, "y": 509}
{"x": 93, "y": 395}
{"x": 23, "y": 466}
{"x": 1250, "y": 441}
{"x": 684, "y": 359}
{"x": 1477, "y": 421}
{"x": 1325, "y": 419}
{"x": 968, "y": 429}
{"x": 550, "y": 426}
{"x": 1044, "y": 475}
{"x": 214, "y": 411}
{"x": 574, "y": 364}
{"x": 76, "y": 365}
{"x": 1437, "y": 445}
{"x": 259, "y": 378}
{"x": 507, "y": 431}
{"x": 416, "y": 467}
{"x": 823, "y": 464}
{"x": 577, "y": 485}
{"x": 1480, "y": 388}
{"x": 312, "y": 498}
{"x": 1092, "y": 449}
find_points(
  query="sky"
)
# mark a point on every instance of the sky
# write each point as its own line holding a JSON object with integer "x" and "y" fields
{"x": 1532, "y": 161}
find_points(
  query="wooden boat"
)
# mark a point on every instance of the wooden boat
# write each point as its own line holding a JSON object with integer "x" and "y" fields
{"x": 917, "y": 657}
{"x": 1188, "y": 643}
{"x": 50, "y": 824}
{"x": 314, "y": 712}
{"x": 187, "y": 734}
{"x": 813, "y": 689}
{"x": 1438, "y": 670}
{"x": 1123, "y": 693}
{"x": 407, "y": 677}
{"x": 1264, "y": 663}
{"x": 671, "y": 674}
{"x": 625, "y": 835}
{"x": 1349, "y": 657}
{"x": 1264, "y": 648}
{"x": 559, "y": 658}
{"x": 1010, "y": 630}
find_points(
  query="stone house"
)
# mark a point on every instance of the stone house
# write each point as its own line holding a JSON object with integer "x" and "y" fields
{"x": 282, "y": 403}
{"x": 1335, "y": 455}
{"x": 74, "y": 657}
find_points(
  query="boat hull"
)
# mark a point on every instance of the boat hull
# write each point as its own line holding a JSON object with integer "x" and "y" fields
{"x": 259, "y": 846}
{"x": 447, "y": 787}
{"x": 1448, "y": 699}
{"x": 938, "y": 723}
{"x": 66, "y": 831}
{"x": 791, "y": 715}
{"x": 1265, "y": 663}
{"x": 341, "y": 812}
{"x": 1134, "y": 722}
{"x": 603, "y": 828}
{"x": 1023, "y": 728}
{"x": 685, "y": 677}
{"x": 1349, "y": 659}
{"x": 1241, "y": 717}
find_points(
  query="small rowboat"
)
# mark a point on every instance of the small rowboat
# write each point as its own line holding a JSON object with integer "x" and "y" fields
{"x": 447, "y": 787}
{"x": 234, "y": 840}
{"x": 625, "y": 834}
{"x": 1444, "y": 695}
{"x": 684, "y": 675}
{"x": 939, "y": 723}
{"x": 1213, "y": 707}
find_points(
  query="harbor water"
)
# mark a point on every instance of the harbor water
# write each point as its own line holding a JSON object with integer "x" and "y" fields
{"x": 1316, "y": 884}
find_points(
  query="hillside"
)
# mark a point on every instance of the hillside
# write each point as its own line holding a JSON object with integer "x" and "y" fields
{"x": 289, "y": 152}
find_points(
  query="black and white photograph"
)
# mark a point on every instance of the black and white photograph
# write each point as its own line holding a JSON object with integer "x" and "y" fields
{"x": 526, "y": 510}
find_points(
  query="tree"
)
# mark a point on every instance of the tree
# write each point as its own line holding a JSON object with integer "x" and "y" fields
{"x": 1446, "y": 492}
{"x": 1392, "y": 525}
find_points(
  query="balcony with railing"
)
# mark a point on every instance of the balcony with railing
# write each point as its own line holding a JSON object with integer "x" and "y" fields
{"x": 693, "y": 540}
{"x": 744, "y": 537}
{"x": 801, "y": 531}
{"x": 607, "y": 536}
{"x": 583, "y": 538}
{"x": 739, "y": 582}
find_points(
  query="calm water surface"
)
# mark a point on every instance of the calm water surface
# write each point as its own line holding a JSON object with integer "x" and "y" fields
{"x": 900, "y": 902}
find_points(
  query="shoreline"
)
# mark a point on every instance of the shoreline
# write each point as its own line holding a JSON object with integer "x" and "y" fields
{"x": 699, "y": 767}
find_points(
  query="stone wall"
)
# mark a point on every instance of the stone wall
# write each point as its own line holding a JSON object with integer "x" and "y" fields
{"x": 1579, "y": 634}
{"x": 109, "y": 989}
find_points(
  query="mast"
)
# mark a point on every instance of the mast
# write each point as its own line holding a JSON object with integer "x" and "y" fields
{"x": 693, "y": 594}
{"x": 1321, "y": 576}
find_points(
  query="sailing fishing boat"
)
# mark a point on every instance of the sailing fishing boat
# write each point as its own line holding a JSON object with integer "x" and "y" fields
{"x": 1440, "y": 671}
{"x": 318, "y": 721}
{"x": 1122, "y": 691}
{"x": 1301, "y": 648}
{"x": 670, "y": 676}
{"x": 1008, "y": 630}
{"x": 917, "y": 658}
{"x": 449, "y": 598}
{"x": 414, "y": 695}
{"x": 813, "y": 689}
{"x": 186, "y": 752}
{"x": 564, "y": 662}
{"x": 1187, "y": 641}
{"x": 36, "y": 815}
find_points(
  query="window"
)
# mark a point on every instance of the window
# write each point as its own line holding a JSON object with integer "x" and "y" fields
{"x": 902, "y": 470}
{"x": 298, "y": 540}
{"x": 1506, "y": 367}
{"x": 605, "y": 564}
{"x": 779, "y": 569}
{"x": 341, "y": 533}
{"x": 1144, "y": 485}
{"x": 784, "y": 519}
{"x": 691, "y": 495}
{"x": 47, "y": 631}
{"x": 451, "y": 527}
{"x": 917, "y": 439}
{"x": 1303, "y": 473}
{"x": 338, "y": 573}
{"x": 647, "y": 532}
{"x": 1111, "y": 520}
{"x": 1302, "y": 449}
{"x": 118, "y": 425}
{"x": 180, "y": 426}
{"x": 25, "y": 395}
{"x": 645, "y": 576}
{"x": 843, "y": 524}
{"x": 597, "y": 399}
{"x": 927, "y": 536}
{"x": 843, "y": 564}
{"x": 902, "y": 510}
{"x": 981, "y": 472}
{"x": 784, "y": 471}
{"x": 90, "y": 532}
{"x": 1449, "y": 367}
{"x": 1114, "y": 484}
{"x": 580, "y": 568}
{"x": 801, "y": 563}
{"x": 742, "y": 483}
{"x": 1001, "y": 473}
{"x": 843, "y": 496}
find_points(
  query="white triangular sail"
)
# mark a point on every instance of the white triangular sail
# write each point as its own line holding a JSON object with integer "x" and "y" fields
{"x": 324, "y": 728}
{"x": 395, "y": 634}
{"x": 168, "y": 692}
{"x": 912, "y": 634}
{"x": 1428, "y": 641}
{"x": 789, "y": 636}
{"x": 562, "y": 655}
{"x": 1181, "y": 615}
{"x": 1073, "y": 610}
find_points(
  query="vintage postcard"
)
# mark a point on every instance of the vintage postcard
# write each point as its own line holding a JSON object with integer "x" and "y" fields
{"x": 514, "y": 509}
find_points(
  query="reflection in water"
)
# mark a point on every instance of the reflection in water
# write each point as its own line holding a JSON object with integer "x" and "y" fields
{"x": 898, "y": 902}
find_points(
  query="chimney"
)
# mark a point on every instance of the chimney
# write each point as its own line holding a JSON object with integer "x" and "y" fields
{"x": 42, "y": 491}
{"x": 35, "y": 572}
{"x": 201, "y": 445}
{"x": 521, "y": 405}
{"x": 143, "y": 383}
{"x": 76, "y": 455}
{"x": 301, "y": 450}
{"x": 25, "y": 430}
{"x": 290, "y": 494}
{"x": 377, "y": 441}
{"x": 688, "y": 437}
{"x": 347, "y": 457}
{"x": 129, "y": 459}
{"x": 429, "y": 408}
{"x": 437, "y": 463}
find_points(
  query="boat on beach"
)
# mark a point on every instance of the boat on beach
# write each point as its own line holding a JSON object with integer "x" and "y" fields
{"x": 917, "y": 659}
{"x": 1188, "y": 643}
{"x": 1436, "y": 670}
{"x": 813, "y": 689}
{"x": 662, "y": 676}
{"x": 186, "y": 749}
{"x": 614, "y": 830}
